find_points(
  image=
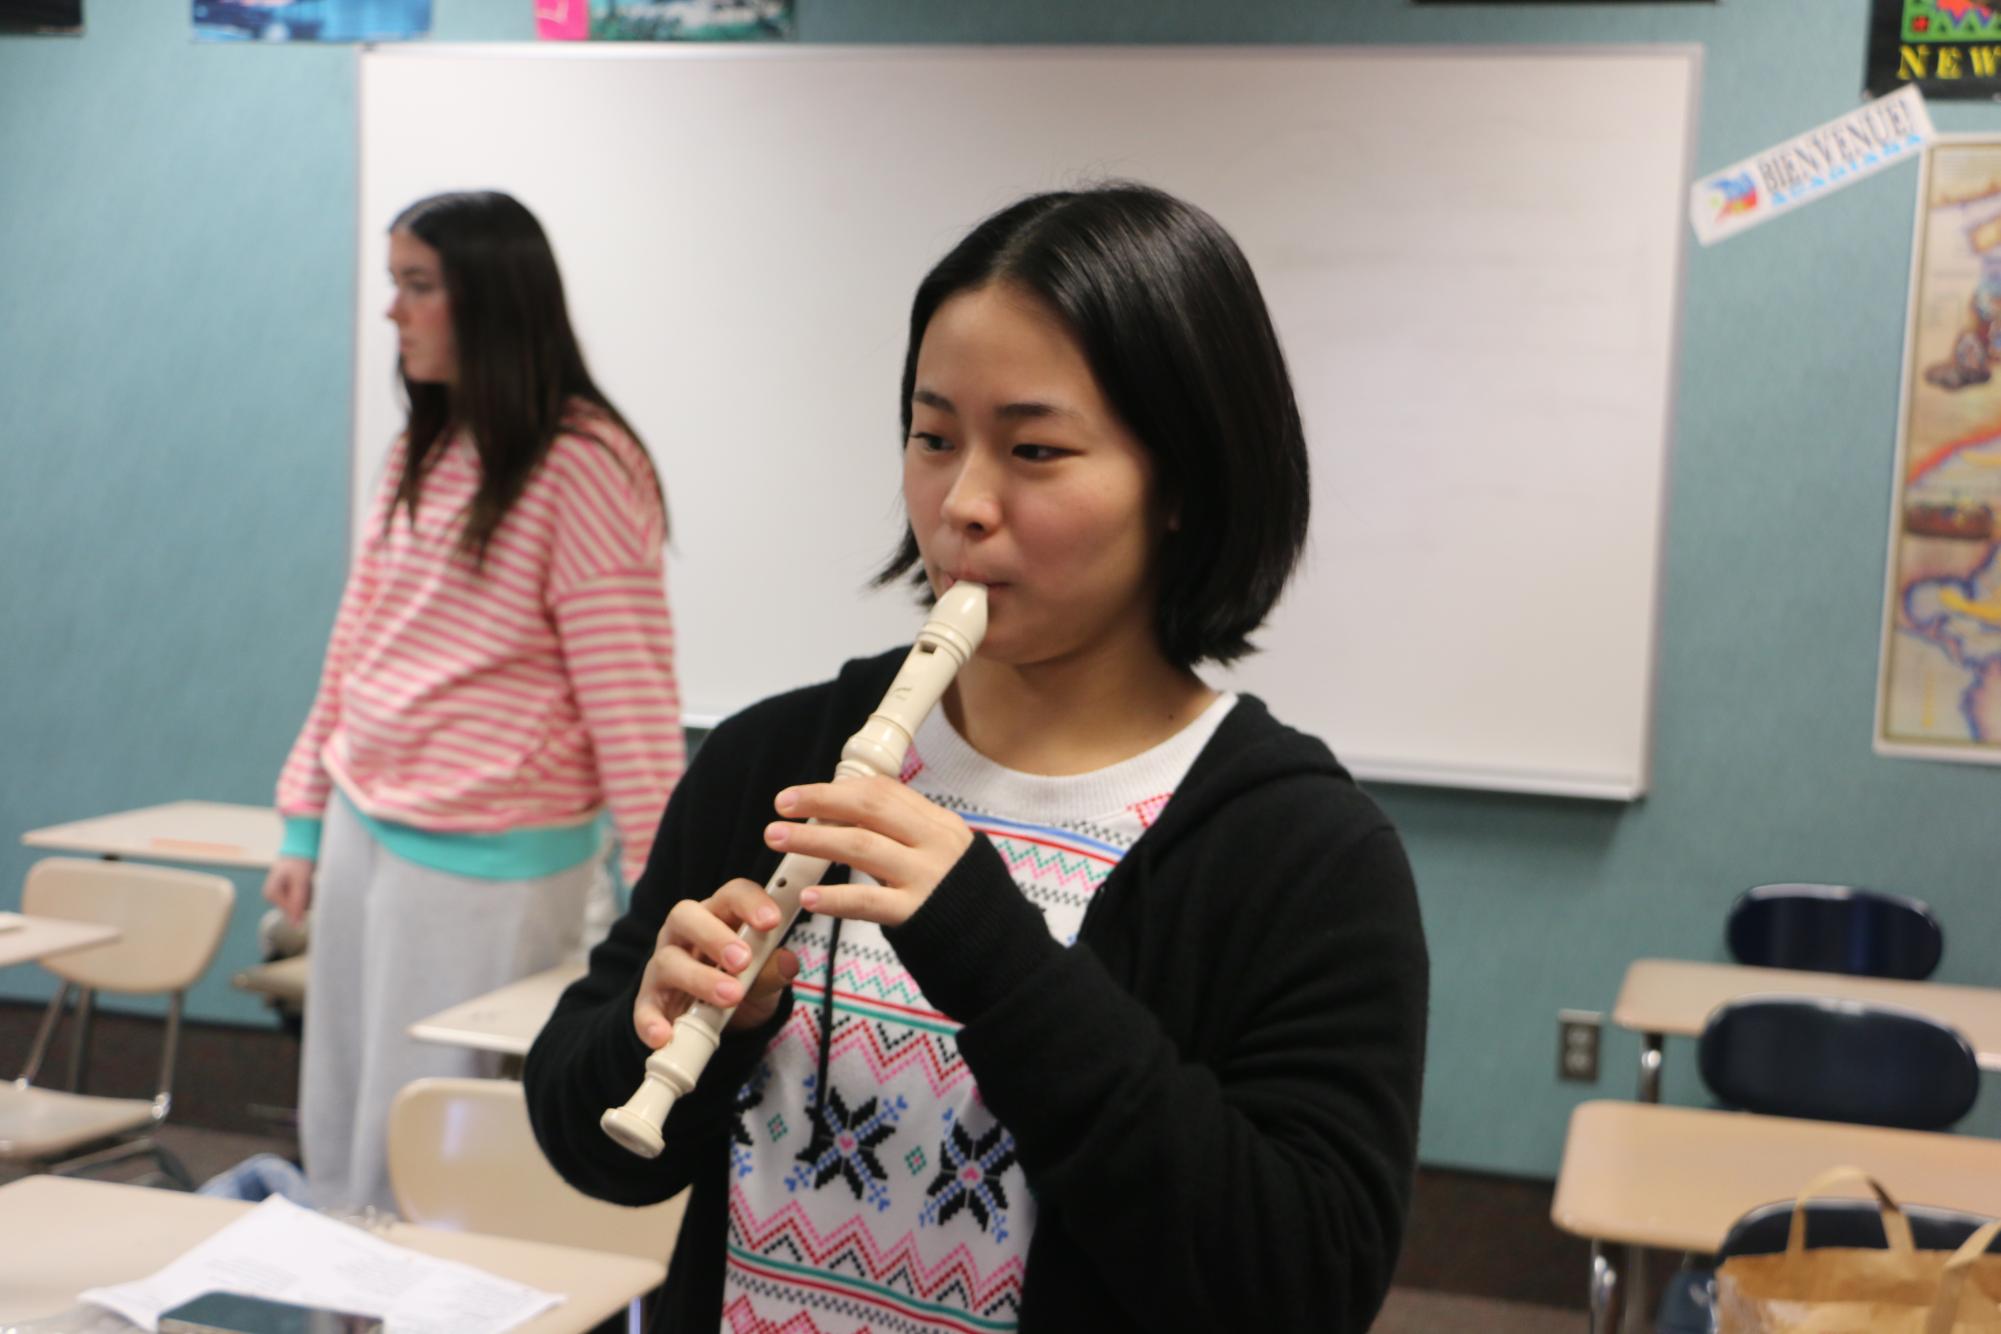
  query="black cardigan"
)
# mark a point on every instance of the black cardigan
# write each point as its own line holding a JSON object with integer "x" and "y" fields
{"x": 1214, "y": 1094}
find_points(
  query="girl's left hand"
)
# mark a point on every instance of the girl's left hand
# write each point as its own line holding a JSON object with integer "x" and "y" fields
{"x": 879, "y": 827}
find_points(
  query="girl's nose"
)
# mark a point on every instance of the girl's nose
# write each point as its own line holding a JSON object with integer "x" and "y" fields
{"x": 973, "y": 502}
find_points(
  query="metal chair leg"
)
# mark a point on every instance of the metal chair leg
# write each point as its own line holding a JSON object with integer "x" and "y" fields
{"x": 1637, "y": 1300}
{"x": 170, "y": 1163}
{"x": 1605, "y": 1293}
{"x": 1650, "y": 1066}
{"x": 80, "y": 1040}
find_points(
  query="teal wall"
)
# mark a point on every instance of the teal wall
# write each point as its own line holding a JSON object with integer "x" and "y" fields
{"x": 176, "y": 249}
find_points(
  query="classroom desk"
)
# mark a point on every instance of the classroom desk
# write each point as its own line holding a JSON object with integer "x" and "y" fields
{"x": 1671, "y": 996}
{"x": 506, "y": 1020}
{"x": 23, "y": 939}
{"x": 65, "y": 1235}
{"x": 209, "y": 833}
{"x": 1677, "y": 1177}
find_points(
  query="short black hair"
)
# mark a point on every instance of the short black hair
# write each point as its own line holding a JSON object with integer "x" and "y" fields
{"x": 1171, "y": 321}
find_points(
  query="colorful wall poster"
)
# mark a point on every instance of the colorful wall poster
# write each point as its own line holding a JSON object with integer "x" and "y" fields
{"x": 64, "y": 16}
{"x": 1939, "y": 679}
{"x": 1947, "y": 48}
{"x": 688, "y": 20}
{"x": 562, "y": 20}
{"x": 310, "y": 20}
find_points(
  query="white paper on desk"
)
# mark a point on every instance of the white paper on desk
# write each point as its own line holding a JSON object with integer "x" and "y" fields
{"x": 11, "y": 921}
{"x": 291, "y": 1254}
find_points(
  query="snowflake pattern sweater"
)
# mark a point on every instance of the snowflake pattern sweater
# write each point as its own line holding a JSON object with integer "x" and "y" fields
{"x": 894, "y": 1203}
{"x": 1211, "y": 1097}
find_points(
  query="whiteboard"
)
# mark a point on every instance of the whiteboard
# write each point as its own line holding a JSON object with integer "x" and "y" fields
{"x": 1473, "y": 259}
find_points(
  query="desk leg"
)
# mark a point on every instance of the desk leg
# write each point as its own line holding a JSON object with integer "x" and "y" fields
{"x": 1634, "y": 1298}
{"x": 1605, "y": 1293}
{"x": 1637, "y": 1301}
{"x": 80, "y": 1048}
{"x": 1650, "y": 1066}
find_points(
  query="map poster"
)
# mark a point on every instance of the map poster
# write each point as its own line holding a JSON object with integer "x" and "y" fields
{"x": 1948, "y": 48}
{"x": 1939, "y": 687}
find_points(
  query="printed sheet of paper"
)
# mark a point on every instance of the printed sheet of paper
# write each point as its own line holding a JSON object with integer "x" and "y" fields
{"x": 291, "y": 1254}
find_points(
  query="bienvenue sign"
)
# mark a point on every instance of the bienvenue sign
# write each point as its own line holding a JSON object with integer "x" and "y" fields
{"x": 1876, "y": 135}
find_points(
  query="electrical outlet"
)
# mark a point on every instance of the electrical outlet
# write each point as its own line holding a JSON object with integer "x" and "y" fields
{"x": 1577, "y": 1045}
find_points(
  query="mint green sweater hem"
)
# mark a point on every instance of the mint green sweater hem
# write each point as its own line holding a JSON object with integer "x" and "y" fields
{"x": 514, "y": 854}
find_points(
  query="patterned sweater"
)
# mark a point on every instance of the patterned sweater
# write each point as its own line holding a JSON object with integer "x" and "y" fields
{"x": 895, "y": 1202}
{"x": 1212, "y": 1096}
{"x": 529, "y": 693}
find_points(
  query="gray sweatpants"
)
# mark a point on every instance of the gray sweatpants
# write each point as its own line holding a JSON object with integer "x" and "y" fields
{"x": 392, "y": 943}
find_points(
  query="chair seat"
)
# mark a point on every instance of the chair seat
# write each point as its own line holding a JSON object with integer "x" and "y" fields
{"x": 283, "y": 980}
{"x": 40, "y": 1123}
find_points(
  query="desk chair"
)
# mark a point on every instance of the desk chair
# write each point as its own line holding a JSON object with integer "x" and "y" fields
{"x": 462, "y": 1156}
{"x": 1827, "y": 1060}
{"x": 282, "y": 985}
{"x": 170, "y": 923}
{"x": 1835, "y": 929}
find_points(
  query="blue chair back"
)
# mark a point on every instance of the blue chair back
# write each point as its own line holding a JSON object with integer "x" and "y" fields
{"x": 1835, "y": 929}
{"x": 1854, "y": 1224}
{"x": 1838, "y": 1061}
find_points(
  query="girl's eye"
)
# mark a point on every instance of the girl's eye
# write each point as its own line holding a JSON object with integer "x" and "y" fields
{"x": 929, "y": 443}
{"x": 1039, "y": 453}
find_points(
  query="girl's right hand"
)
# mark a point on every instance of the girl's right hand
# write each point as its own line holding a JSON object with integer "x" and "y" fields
{"x": 698, "y": 956}
{"x": 290, "y": 887}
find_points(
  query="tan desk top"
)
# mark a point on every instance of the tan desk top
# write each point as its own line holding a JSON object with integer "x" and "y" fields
{"x": 1678, "y": 1177}
{"x": 1674, "y": 996}
{"x": 209, "y": 833}
{"x": 506, "y": 1020}
{"x": 24, "y": 939}
{"x": 65, "y": 1235}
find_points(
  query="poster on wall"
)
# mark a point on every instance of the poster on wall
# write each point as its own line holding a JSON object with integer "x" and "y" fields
{"x": 310, "y": 20}
{"x": 1874, "y": 137}
{"x": 1939, "y": 678}
{"x": 1948, "y": 48}
{"x": 663, "y": 20}
{"x": 57, "y": 16}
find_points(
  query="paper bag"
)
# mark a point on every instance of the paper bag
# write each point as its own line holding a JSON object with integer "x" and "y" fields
{"x": 1837, "y": 1290}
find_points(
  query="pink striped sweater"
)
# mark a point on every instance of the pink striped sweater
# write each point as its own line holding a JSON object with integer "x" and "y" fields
{"x": 527, "y": 694}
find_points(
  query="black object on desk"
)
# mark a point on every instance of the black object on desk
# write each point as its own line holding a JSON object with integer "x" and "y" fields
{"x": 234, "y": 1313}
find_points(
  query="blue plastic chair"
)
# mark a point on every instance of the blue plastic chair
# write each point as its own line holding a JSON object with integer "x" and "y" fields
{"x": 1827, "y": 1060}
{"x": 1831, "y": 1060}
{"x": 1835, "y": 929}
